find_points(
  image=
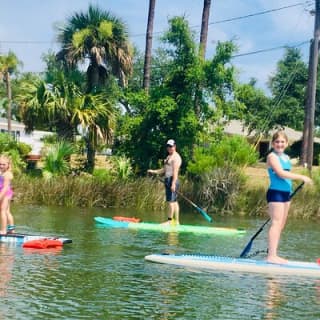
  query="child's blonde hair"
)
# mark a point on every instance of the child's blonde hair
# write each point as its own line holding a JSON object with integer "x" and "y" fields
{"x": 279, "y": 134}
{"x": 6, "y": 158}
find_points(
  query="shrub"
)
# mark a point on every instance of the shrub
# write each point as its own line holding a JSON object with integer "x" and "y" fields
{"x": 15, "y": 150}
{"x": 102, "y": 175}
{"x": 24, "y": 149}
{"x": 232, "y": 151}
{"x": 50, "y": 139}
{"x": 219, "y": 189}
{"x": 57, "y": 159}
{"x": 122, "y": 167}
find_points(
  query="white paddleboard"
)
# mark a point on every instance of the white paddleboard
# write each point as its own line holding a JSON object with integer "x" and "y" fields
{"x": 237, "y": 264}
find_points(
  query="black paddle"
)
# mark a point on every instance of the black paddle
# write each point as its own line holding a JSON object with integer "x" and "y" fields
{"x": 247, "y": 248}
{"x": 204, "y": 214}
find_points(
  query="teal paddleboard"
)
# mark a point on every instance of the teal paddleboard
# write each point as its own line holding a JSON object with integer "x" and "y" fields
{"x": 107, "y": 222}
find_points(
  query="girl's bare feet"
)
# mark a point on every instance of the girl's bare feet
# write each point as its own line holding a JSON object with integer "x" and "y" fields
{"x": 276, "y": 259}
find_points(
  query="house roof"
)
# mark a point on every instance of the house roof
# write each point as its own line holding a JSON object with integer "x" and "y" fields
{"x": 237, "y": 127}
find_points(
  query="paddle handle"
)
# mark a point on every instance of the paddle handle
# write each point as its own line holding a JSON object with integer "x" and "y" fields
{"x": 296, "y": 190}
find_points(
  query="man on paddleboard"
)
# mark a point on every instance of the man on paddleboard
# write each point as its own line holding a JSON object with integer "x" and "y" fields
{"x": 170, "y": 170}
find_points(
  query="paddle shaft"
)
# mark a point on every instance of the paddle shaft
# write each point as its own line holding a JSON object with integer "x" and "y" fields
{"x": 204, "y": 214}
{"x": 247, "y": 248}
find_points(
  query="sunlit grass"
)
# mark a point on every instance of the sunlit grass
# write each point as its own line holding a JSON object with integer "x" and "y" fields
{"x": 89, "y": 191}
{"x": 145, "y": 193}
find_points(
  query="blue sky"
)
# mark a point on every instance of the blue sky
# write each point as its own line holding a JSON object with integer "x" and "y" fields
{"x": 29, "y": 27}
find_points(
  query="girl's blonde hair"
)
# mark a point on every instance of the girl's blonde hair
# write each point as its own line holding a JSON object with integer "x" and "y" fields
{"x": 8, "y": 159}
{"x": 279, "y": 134}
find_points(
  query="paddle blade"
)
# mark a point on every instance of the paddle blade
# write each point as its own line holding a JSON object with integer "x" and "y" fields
{"x": 246, "y": 250}
{"x": 204, "y": 214}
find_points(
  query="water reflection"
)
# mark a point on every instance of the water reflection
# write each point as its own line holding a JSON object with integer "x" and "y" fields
{"x": 48, "y": 251}
{"x": 6, "y": 265}
{"x": 173, "y": 239}
{"x": 275, "y": 297}
{"x": 279, "y": 295}
{"x": 318, "y": 291}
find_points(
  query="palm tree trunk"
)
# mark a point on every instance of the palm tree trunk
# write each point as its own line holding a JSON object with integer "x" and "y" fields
{"x": 91, "y": 150}
{"x": 147, "y": 58}
{"x": 91, "y": 154}
{"x": 9, "y": 95}
{"x": 93, "y": 77}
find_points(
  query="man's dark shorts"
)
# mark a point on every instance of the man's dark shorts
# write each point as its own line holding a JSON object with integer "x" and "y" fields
{"x": 171, "y": 196}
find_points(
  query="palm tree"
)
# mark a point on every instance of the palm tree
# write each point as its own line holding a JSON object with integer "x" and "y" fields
{"x": 47, "y": 106}
{"x": 8, "y": 64}
{"x": 103, "y": 39}
{"x": 147, "y": 57}
{"x": 97, "y": 116}
{"x": 64, "y": 107}
{"x": 204, "y": 27}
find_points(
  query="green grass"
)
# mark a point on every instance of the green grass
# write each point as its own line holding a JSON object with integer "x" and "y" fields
{"x": 86, "y": 190}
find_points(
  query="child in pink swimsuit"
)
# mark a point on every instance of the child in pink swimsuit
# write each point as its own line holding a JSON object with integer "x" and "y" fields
{"x": 6, "y": 193}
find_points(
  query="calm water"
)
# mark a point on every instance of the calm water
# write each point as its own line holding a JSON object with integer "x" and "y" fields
{"x": 103, "y": 275}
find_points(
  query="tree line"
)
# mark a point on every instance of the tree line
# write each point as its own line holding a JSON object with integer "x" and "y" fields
{"x": 133, "y": 102}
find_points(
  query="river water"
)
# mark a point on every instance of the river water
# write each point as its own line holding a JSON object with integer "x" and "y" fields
{"x": 103, "y": 274}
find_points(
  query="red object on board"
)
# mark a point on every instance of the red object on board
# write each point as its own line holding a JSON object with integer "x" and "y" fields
{"x": 43, "y": 243}
{"x": 126, "y": 219}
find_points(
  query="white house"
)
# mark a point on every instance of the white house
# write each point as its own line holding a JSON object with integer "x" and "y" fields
{"x": 18, "y": 131}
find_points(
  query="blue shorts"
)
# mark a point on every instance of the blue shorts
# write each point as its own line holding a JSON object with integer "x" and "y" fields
{"x": 278, "y": 196}
{"x": 171, "y": 196}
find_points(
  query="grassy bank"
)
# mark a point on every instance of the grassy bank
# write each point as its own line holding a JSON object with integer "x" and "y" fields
{"x": 248, "y": 198}
{"x": 88, "y": 191}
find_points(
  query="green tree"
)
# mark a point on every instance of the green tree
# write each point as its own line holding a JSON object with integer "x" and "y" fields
{"x": 169, "y": 109}
{"x": 102, "y": 38}
{"x": 288, "y": 87}
{"x": 160, "y": 68}
{"x": 228, "y": 151}
{"x": 255, "y": 107}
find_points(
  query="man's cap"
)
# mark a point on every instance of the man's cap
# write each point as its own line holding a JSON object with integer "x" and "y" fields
{"x": 171, "y": 143}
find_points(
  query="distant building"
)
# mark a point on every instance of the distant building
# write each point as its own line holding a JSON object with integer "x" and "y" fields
{"x": 18, "y": 131}
{"x": 236, "y": 127}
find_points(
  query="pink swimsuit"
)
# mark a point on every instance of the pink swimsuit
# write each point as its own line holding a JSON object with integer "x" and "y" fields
{"x": 9, "y": 193}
